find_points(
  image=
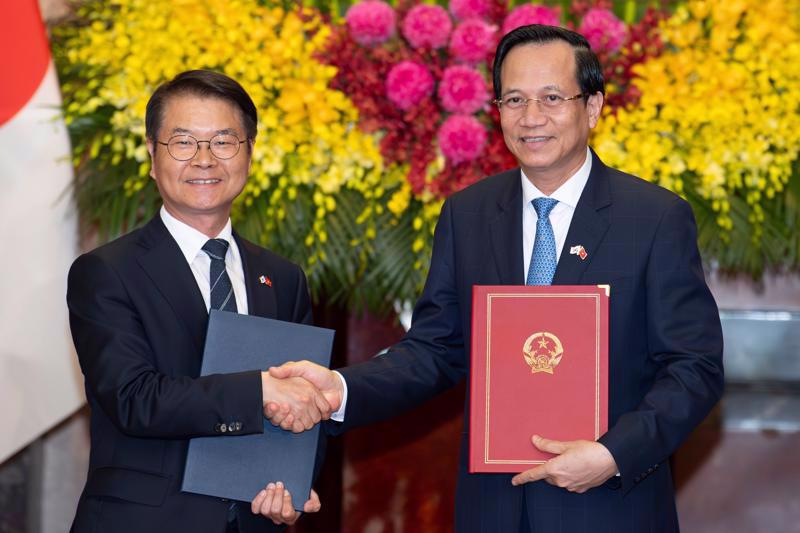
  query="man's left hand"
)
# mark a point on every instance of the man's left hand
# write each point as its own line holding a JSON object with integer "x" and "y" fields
{"x": 579, "y": 465}
{"x": 275, "y": 502}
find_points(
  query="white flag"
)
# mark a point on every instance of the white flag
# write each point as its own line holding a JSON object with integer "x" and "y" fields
{"x": 40, "y": 382}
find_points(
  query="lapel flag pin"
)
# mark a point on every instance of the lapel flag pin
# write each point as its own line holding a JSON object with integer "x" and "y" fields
{"x": 265, "y": 280}
{"x": 579, "y": 250}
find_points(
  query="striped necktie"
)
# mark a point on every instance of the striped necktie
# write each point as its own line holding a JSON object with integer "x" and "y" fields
{"x": 222, "y": 296}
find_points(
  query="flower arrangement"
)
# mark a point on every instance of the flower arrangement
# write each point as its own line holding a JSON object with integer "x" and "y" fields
{"x": 718, "y": 120}
{"x": 369, "y": 121}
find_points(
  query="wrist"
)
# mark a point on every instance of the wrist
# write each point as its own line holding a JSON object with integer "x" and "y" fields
{"x": 266, "y": 387}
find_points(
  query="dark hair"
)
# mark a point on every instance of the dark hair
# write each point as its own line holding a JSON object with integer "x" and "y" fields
{"x": 589, "y": 73}
{"x": 205, "y": 84}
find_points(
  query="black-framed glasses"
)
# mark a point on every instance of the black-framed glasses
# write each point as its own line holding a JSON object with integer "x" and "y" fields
{"x": 185, "y": 147}
{"x": 549, "y": 102}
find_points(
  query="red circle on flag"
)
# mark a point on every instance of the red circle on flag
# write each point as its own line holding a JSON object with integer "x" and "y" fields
{"x": 25, "y": 57}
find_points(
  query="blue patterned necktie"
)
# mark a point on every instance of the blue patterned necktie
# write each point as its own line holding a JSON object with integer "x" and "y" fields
{"x": 222, "y": 296}
{"x": 543, "y": 258}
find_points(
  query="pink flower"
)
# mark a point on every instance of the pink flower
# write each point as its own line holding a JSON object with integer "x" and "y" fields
{"x": 472, "y": 40}
{"x": 531, "y": 14}
{"x": 462, "y": 90}
{"x": 603, "y": 30}
{"x": 427, "y": 26}
{"x": 370, "y": 22}
{"x": 467, "y": 9}
{"x": 461, "y": 138}
{"x": 408, "y": 83}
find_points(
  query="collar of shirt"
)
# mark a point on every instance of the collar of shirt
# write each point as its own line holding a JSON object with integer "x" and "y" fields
{"x": 560, "y": 217}
{"x": 570, "y": 191}
{"x": 191, "y": 242}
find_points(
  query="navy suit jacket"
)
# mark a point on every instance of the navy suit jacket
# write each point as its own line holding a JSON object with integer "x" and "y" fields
{"x": 665, "y": 345}
{"x": 138, "y": 321}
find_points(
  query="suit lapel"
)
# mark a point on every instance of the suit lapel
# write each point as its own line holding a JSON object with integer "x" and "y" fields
{"x": 261, "y": 299}
{"x": 588, "y": 226}
{"x": 506, "y": 231}
{"x": 166, "y": 266}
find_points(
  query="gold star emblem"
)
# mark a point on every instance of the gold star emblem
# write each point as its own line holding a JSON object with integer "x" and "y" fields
{"x": 543, "y": 343}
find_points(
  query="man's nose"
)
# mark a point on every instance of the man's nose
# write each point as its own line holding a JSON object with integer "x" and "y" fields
{"x": 204, "y": 157}
{"x": 532, "y": 114}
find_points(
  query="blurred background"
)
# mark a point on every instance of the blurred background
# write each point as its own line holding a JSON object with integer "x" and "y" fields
{"x": 371, "y": 113}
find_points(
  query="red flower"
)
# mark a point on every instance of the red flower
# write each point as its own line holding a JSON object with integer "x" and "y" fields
{"x": 462, "y": 89}
{"x": 427, "y": 26}
{"x": 461, "y": 138}
{"x": 407, "y": 83}
{"x": 371, "y": 21}
{"x": 472, "y": 40}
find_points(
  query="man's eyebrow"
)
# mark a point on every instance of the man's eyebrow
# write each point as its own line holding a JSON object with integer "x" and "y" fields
{"x": 184, "y": 131}
{"x": 555, "y": 88}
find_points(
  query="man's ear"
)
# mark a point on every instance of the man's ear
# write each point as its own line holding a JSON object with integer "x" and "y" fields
{"x": 594, "y": 105}
{"x": 151, "y": 149}
{"x": 250, "y": 145}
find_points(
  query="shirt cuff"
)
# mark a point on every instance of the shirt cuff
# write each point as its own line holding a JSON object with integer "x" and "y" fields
{"x": 338, "y": 416}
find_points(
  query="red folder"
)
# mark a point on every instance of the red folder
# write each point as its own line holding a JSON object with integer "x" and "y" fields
{"x": 539, "y": 366}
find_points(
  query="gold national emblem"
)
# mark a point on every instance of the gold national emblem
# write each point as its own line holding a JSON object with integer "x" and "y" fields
{"x": 543, "y": 352}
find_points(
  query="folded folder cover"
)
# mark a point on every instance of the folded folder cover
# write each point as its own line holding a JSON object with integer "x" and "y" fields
{"x": 238, "y": 467}
{"x": 539, "y": 365}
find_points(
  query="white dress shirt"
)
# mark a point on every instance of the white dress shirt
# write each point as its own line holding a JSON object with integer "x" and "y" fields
{"x": 560, "y": 217}
{"x": 191, "y": 244}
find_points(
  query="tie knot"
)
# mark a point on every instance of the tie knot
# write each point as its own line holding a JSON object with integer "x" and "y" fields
{"x": 216, "y": 249}
{"x": 543, "y": 206}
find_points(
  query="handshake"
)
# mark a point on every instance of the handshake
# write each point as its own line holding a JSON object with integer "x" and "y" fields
{"x": 298, "y": 395}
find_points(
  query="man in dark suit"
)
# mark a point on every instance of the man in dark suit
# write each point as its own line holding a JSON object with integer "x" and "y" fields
{"x": 525, "y": 225}
{"x": 138, "y": 310}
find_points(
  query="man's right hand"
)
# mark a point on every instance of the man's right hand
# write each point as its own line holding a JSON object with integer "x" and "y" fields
{"x": 300, "y": 402}
{"x": 325, "y": 380}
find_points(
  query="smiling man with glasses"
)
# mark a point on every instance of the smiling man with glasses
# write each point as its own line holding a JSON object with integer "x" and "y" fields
{"x": 138, "y": 313}
{"x": 521, "y": 226}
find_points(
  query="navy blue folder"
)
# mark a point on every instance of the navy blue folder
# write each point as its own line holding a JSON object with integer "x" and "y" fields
{"x": 237, "y": 467}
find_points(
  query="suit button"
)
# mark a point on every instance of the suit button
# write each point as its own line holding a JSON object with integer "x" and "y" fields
{"x": 218, "y": 428}
{"x": 223, "y": 428}
{"x": 238, "y": 426}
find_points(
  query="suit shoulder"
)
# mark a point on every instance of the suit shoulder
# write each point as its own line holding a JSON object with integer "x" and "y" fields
{"x": 114, "y": 252}
{"x": 108, "y": 263}
{"x": 486, "y": 191}
{"x": 639, "y": 193}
